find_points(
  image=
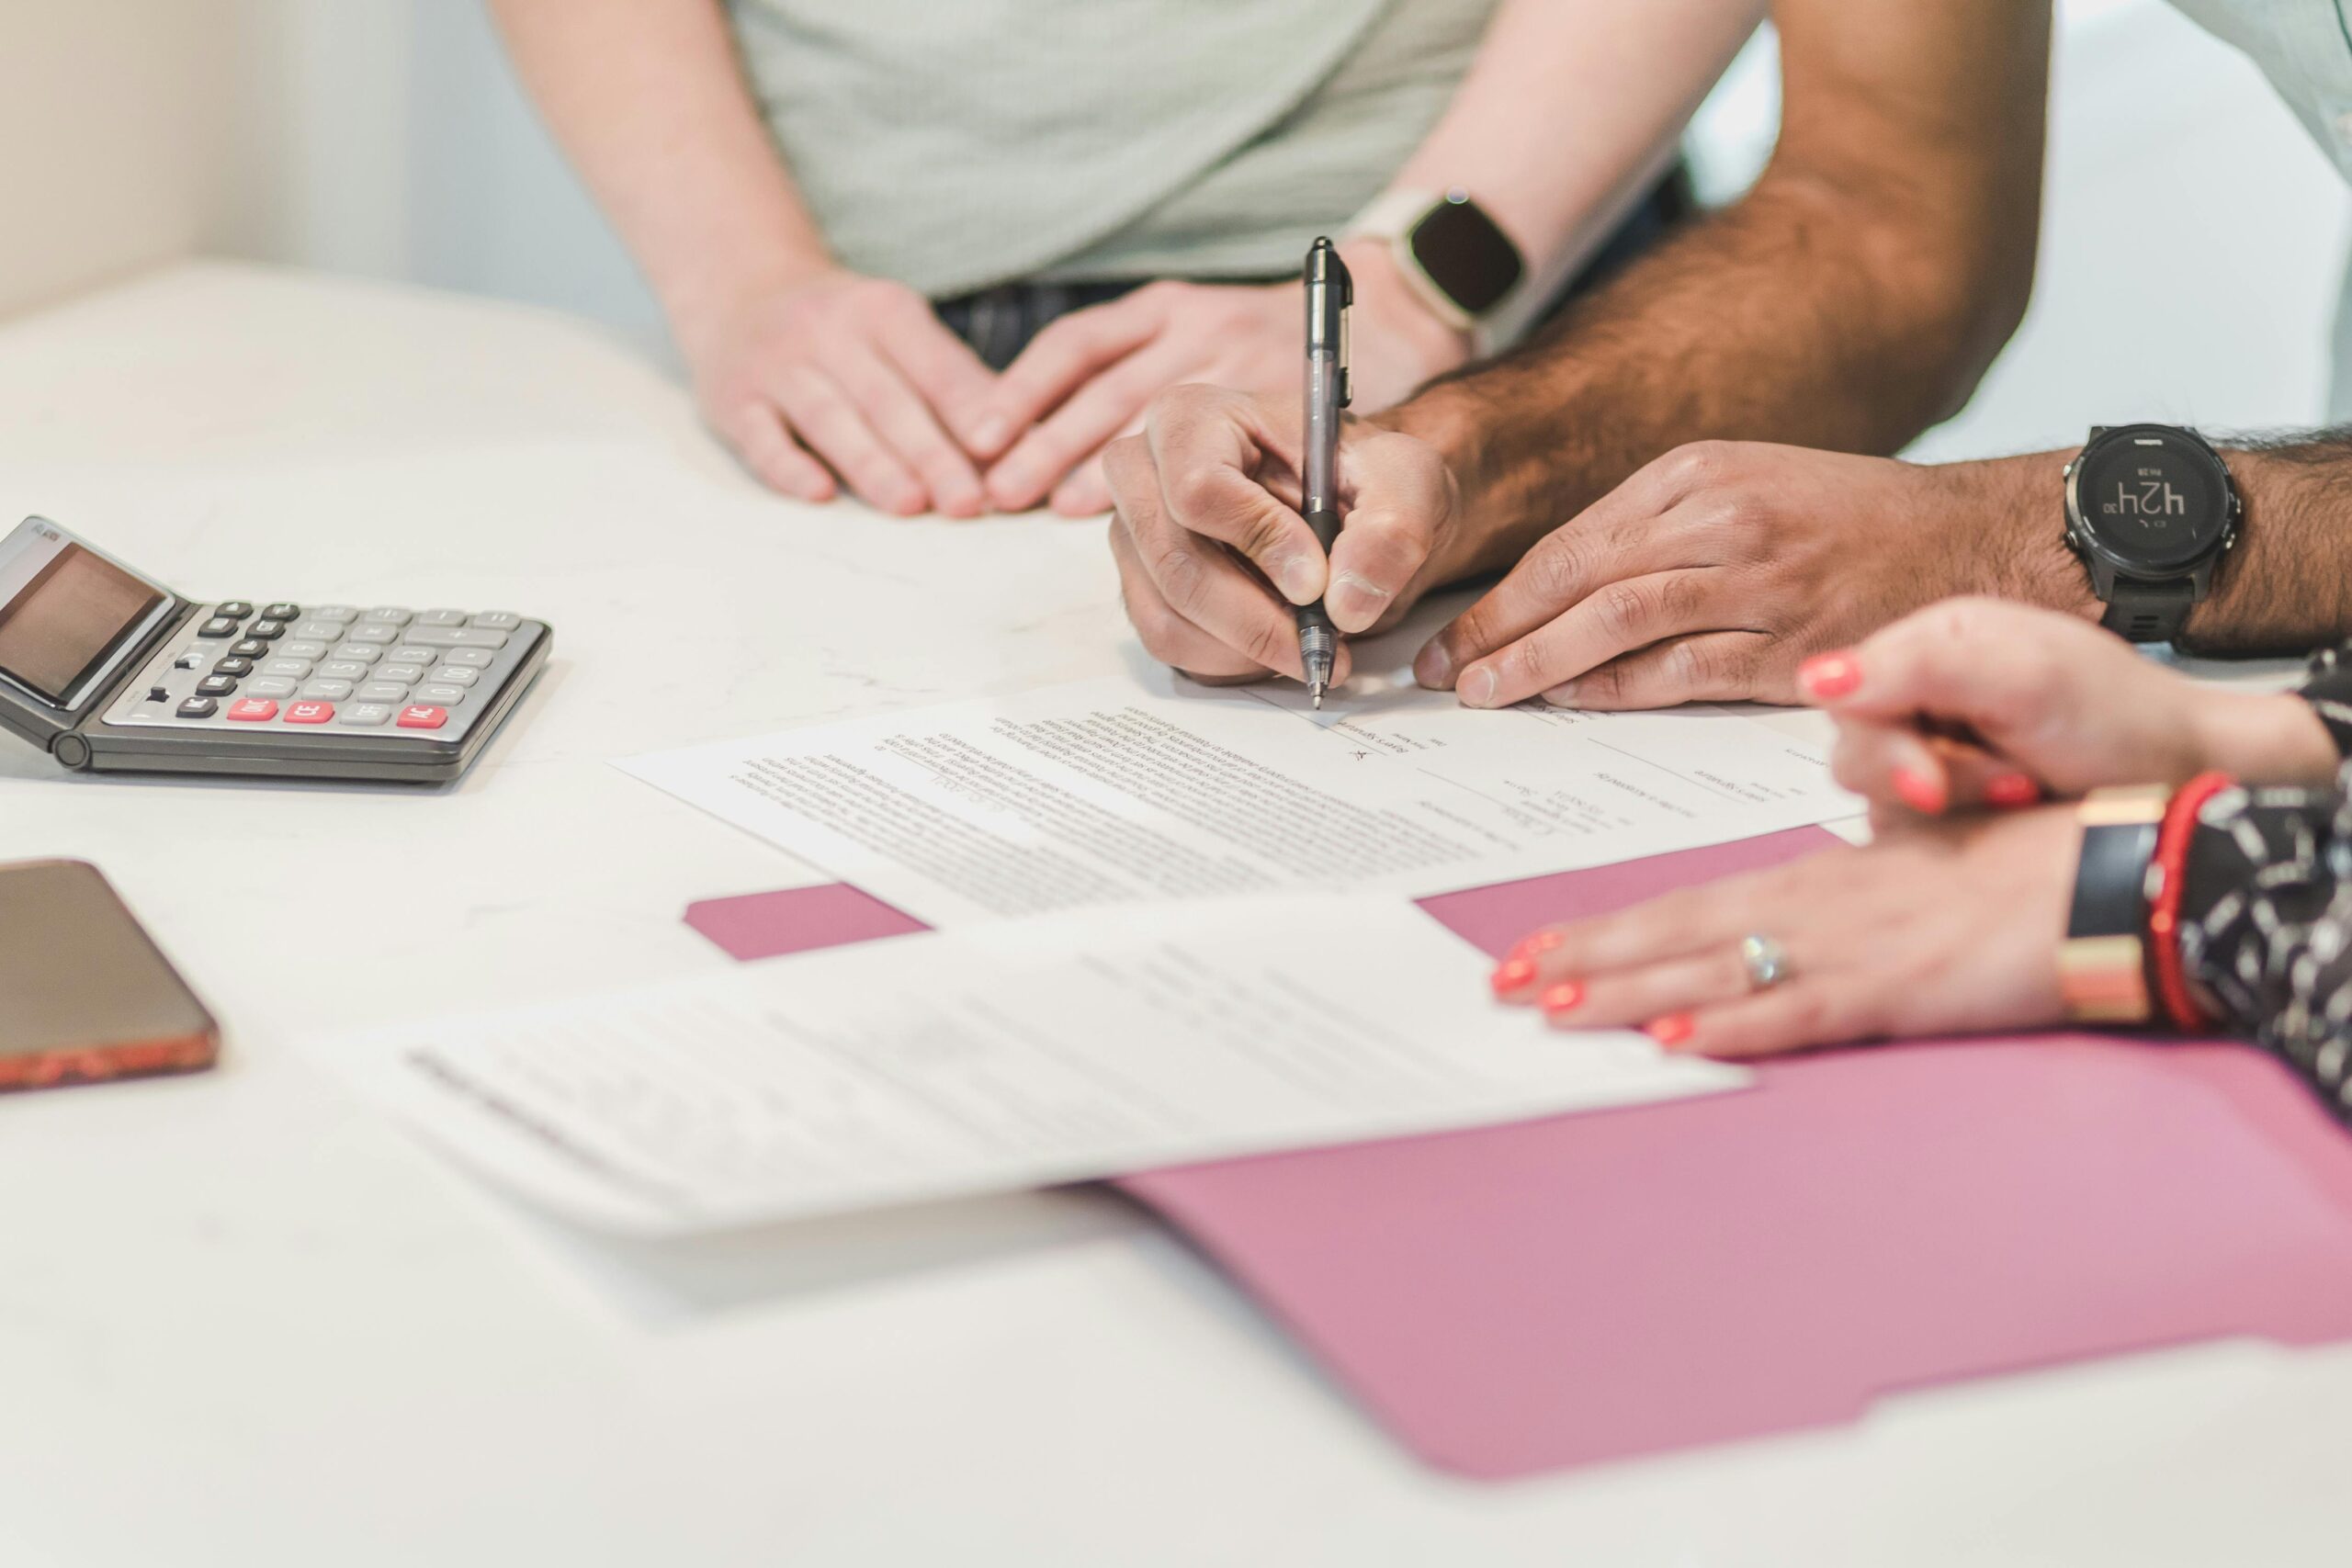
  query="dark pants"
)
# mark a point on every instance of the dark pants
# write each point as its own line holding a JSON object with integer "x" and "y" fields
{"x": 999, "y": 322}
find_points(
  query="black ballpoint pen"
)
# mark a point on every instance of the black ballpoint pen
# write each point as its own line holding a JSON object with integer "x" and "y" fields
{"x": 1330, "y": 292}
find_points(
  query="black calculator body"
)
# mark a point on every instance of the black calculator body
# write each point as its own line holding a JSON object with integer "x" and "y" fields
{"x": 108, "y": 671}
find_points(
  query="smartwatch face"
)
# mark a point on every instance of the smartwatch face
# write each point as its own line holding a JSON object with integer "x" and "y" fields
{"x": 1466, "y": 254}
{"x": 2155, "y": 501}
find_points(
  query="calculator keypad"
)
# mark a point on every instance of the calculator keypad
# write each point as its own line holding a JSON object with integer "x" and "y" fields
{"x": 398, "y": 671}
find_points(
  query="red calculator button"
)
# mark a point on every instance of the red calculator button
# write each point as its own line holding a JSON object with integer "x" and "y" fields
{"x": 254, "y": 710}
{"x": 424, "y": 717}
{"x": 310, "y": 713}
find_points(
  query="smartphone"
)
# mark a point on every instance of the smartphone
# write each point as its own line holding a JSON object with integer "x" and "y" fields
{"x": 85, "y": 994}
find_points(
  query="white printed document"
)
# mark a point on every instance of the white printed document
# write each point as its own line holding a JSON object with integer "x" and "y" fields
{"x": 1105, "y": 791}
{"x": 1016, "y": 1054}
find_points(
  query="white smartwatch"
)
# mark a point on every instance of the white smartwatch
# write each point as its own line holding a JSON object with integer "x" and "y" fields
{"x": 1453, "y": 254}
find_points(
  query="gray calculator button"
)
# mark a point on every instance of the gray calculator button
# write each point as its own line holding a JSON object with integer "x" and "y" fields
{"x": 454, "y": 676}
{"x": 292, "y": 669}
{"x": 440, "y": 617}
{"x": 365, "y": 652}
{"x": 441, "y": 696}
{"x": 406, "y": 674}
{"x": 369, "y": 632}
{"x": 316, "y": 629}
{"x": 344, "y": 670}
{"x": 302, "y": 649}
{"x": 372, "y": 715}
{"x": 497, "y": 621}
{"x": 456, "y": 636}
{"x": 471, "y": 657}
{"x": 389, "y": 616}
{"x": 409, "y": 653}
{"x": 341, "y": 614}
{"x": 382, "y": 692}
{"x": 326, "y": 691}
{"x": 270, "y": 686}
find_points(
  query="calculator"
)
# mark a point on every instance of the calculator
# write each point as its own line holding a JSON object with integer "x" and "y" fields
{"x": 111, "y": 672}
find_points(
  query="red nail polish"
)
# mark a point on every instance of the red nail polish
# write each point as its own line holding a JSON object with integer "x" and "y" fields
{"x": 1830, "y": 675}
{"x": 1567, "y": 994}
{"x": 1670, "y": 1031}
{"x": 1511, "y": 975}
{"x": 2011, "y": 789}
{"x": 1919, "y": 791}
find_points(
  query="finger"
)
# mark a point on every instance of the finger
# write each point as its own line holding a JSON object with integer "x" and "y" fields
{"x": 1624, "y": 997}
{"x": 1089, "y": 420}
{"x": 1085, "y": 493}
{"x": 1614, "y": 619}
{"x": 1208, "y": 445}
{"x": 906, "y": 425}
{"x": 767, "y": 448}
{"x": 1397, "y": 495}
{"x": 1675, "y": 925}
{"x": 823, "y": 416}
{"x": 942, "y": 369}
{"x": 1716, "y": 667}
{"x": 1621, "y": 536}
{"x": 1169, "y": 637}
{"x": 1060, "y": 359}
{"x": 1803, "y": 1012}
{"x": 1976, "y": 659}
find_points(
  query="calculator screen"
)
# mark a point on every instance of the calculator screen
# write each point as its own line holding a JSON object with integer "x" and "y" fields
{"x": 65, "y": 609}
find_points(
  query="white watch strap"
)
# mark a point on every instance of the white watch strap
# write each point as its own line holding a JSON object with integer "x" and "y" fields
{"x": 1390, "y": 219}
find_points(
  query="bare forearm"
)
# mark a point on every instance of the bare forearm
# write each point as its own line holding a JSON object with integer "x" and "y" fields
{"x": 1570, "y": 109}
{"x": 650, "y": 102}
{"x": 2287, "y": 587}
{"x": 1849, "y": 300}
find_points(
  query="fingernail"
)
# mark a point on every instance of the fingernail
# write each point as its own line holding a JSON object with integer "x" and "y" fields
{"x": 1563, "y": 996}
{"x": 1011, "y": 486}
{"x": 1432, "y": 667}
{"x": 1563, "y": 695}
{"x": 1830, "y": 675}
{"x": 2011, "y": 789}
{"x": 1297, "y": 577}
{"x": 989, "y": 435}
{"x": 1511, "y": 974}
{"x": 1539, "y": 942}
{"x": 1670, "y": 1031}
{"x": 1919, "y": 791}
{"x": 1355, "y": 600}
{"x": 1478, "y": 688}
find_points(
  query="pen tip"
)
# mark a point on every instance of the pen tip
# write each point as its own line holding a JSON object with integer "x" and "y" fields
{"x": 1319, "y": 690}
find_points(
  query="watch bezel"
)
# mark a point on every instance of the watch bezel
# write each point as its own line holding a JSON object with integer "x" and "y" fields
{"x": 2084, "y": 536}
{"x": 1458, "y": 207}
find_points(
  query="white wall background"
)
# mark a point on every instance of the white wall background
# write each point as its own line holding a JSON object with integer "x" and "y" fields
{"x": 2191, "y": 249}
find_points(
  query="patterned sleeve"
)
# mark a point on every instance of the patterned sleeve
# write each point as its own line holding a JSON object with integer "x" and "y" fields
{"x": 2266, "y": 924}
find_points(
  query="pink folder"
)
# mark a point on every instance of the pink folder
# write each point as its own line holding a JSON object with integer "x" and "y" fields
{"x": 1589, "y": 1288}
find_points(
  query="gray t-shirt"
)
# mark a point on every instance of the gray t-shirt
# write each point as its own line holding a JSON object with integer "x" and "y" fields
{"x": 953, "y": 144}
{"x": 2305, "y": 48}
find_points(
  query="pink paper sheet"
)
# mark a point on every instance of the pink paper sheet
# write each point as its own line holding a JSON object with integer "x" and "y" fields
{"x": 1589, "y": 1288}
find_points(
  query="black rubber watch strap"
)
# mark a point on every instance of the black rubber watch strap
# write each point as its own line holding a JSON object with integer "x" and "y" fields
{"x": 2149, "y": 612}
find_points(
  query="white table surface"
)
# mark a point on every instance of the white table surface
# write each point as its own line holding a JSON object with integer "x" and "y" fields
{"x": 243, "y": 1321}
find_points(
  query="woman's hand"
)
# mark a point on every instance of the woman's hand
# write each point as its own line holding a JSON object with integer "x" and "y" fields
{"x": 1980, "y": 701}
{"x": 1089, "y": 377}
{"x": 841, "y": 374}
{"x": 1952, "y": 927}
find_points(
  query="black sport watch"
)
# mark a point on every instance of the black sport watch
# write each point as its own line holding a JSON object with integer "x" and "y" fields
{"x": 2150, "y": 509}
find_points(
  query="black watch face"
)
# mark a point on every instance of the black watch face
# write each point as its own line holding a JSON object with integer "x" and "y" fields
{"x": 1466, "y": 254}
{"x": 2155, "y": 500}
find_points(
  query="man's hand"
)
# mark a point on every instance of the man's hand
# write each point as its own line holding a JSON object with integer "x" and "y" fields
{"x": 841, "y": 374}
{"x": 1712, "y": 573}
{"x": 1213, "y": 553}
{"x": 1089, "y": 377}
